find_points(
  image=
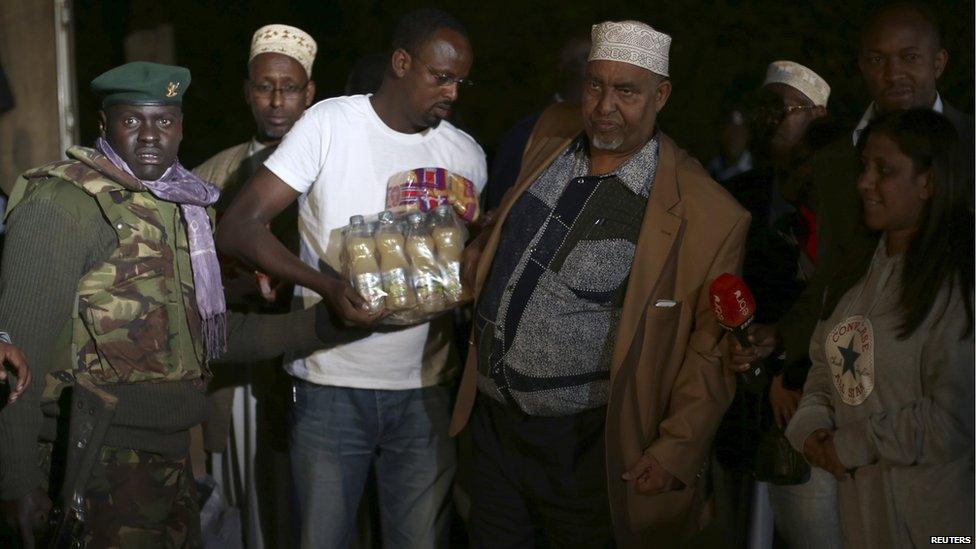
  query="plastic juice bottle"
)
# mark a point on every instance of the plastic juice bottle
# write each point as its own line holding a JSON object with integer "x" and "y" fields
{"x": 363, "y": 269}
{"x": 447, "y": 239}
{"x": 394, "y": 266}
{"x": 426, "y": 273}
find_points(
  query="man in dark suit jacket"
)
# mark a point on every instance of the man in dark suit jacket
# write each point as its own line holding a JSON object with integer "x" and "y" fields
{"x": 900, "y": 58}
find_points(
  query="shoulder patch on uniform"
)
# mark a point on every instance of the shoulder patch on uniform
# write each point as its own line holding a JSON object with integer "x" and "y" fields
{"x": 78, "y": 173}
{"x": 75, "y": 200}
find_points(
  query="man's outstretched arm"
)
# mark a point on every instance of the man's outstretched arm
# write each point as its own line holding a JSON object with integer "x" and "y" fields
{"x": 244, "y": 232}
{"x": 252, "y": 337}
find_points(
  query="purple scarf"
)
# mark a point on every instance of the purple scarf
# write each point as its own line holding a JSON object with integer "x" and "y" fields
{"x": 180, "y": 186}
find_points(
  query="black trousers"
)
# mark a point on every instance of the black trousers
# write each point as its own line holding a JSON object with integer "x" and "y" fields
{"x": 538, "y": 481}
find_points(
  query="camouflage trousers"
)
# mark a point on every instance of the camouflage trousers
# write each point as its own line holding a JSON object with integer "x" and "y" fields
{"x": 138, "y": 499}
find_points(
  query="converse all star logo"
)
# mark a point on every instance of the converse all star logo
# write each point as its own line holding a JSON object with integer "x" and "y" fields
{"x": 849, "y": 347}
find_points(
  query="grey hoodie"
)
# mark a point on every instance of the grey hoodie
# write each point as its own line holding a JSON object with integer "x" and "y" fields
{"x": 901, "y": 412}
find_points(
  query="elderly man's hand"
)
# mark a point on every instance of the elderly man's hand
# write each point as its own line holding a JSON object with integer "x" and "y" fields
{"x": 764, "y": 339}
{"x": 11, "y": 355}
{"x": 651, "y": 476}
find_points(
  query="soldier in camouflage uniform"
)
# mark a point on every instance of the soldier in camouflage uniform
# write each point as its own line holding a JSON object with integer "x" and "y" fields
{"x": 110, "y": 278}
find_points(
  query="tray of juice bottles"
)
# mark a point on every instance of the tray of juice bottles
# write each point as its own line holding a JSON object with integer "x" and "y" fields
{"x": 409, "y": 264}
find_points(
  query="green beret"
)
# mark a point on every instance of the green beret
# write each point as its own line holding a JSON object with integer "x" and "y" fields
{"x": 142, "y": 83}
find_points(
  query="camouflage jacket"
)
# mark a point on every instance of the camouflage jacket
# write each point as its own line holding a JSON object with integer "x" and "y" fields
{"x": 134, "y": 318}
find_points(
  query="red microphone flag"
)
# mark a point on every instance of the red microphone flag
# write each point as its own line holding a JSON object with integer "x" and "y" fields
{"x": 732, "y": 301}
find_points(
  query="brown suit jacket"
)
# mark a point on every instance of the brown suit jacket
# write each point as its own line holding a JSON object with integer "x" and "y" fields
{"x": 668, "y": 387}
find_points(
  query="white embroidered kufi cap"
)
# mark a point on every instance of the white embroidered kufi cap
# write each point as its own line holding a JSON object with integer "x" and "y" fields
{"x": 286, "y": 40}
{"x": 631, "y": 42}
{"x": 803, "y": 79}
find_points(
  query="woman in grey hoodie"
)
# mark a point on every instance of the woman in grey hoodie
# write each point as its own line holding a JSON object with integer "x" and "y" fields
{"x": 888, "y": 404}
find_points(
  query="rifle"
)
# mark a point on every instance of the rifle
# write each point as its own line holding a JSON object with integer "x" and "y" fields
{"x": 92, "y": 410}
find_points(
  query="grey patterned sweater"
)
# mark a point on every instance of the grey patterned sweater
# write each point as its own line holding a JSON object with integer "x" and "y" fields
{"x": 546, "y": 321}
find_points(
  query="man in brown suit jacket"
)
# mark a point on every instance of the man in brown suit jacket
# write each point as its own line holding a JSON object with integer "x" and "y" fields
{"x": 593, "y": 385}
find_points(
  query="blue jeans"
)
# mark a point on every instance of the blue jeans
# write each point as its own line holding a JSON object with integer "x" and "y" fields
{"x": 338, "y": 433}
{"x": 806, "y": 514}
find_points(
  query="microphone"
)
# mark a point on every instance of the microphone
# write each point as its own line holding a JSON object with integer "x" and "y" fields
{"x": 735, "y": 308}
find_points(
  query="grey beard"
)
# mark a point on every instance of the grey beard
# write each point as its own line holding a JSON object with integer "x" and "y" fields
{"x": 613, "y": 145}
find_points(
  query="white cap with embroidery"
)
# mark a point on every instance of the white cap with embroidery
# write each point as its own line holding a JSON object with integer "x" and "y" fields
{"x": 631, "y": 42}
{"x": 286, "y": 40}
{"x": 801, "y": 78}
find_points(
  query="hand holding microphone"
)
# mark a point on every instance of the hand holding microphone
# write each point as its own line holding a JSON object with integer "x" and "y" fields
{"x": 735, "y": 309}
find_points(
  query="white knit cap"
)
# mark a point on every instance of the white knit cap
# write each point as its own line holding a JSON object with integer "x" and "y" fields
{"x": 631, "y": 42}
{"x": 286, "y": 40}
{"x": 803, "y": 79}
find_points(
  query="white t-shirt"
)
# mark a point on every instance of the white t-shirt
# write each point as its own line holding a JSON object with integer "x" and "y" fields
{"x": 340, "y": 156}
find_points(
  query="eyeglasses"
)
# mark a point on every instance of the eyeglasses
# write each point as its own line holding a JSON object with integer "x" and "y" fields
{"x": 444, "y": 80}
{"x": 776, "y": 113}
{"x": 289, "y": 91}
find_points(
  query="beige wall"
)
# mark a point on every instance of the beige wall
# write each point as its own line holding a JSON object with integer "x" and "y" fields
{"x": 29, "y": 134}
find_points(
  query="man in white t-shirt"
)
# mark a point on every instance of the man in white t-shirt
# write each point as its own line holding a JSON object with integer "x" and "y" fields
{"x": 383, "y": 401}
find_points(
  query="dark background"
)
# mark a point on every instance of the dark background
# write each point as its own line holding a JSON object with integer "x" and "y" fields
{"x": 719, "y": 53}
